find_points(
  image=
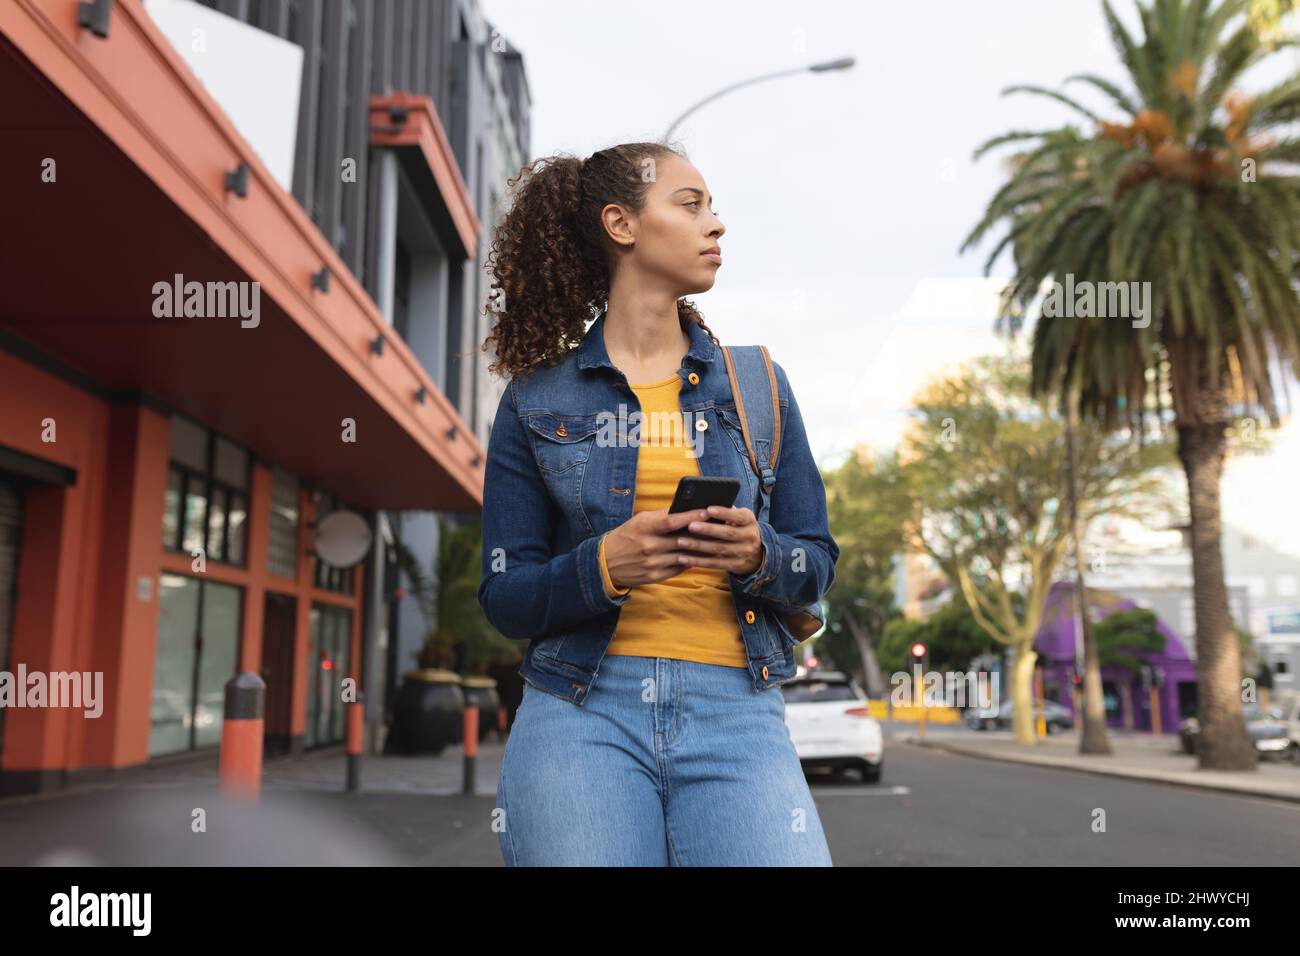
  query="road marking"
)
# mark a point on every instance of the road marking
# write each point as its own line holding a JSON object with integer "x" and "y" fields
{"x": 823, "y": 790}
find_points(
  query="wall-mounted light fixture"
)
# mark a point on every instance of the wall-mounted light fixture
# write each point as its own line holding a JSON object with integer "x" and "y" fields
{"x": 420, "y": 395}
{"x": 237, "y": 181}
{"x": 451, "y": 433}
{"x": 95, "y": 16}
{"x": 377, "y": 345}
{"x": 321, "y": 280}
{"x": 397, "y": 116}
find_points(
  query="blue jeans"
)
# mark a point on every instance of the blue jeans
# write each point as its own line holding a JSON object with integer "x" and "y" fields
{"x": 667, "y": 763}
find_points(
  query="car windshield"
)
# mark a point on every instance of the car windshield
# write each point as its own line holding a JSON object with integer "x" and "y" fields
{"x": 801, "y": 692}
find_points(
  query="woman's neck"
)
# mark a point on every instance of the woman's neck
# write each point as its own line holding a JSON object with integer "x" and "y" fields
{"x": 645, "y": 341}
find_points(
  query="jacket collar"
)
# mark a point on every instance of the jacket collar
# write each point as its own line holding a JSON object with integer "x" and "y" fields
{"x": 592, "y": 352}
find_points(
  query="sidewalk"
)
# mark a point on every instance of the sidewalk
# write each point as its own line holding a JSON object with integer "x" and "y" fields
{"x": 408, "y": 811}
{"x": 1139, "y": 756}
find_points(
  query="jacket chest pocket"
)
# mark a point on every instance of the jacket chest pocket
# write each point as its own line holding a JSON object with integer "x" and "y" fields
{"x": 563, "y": 445}
{"x": 730, "y": 423}
{"x": 562, "y": 442}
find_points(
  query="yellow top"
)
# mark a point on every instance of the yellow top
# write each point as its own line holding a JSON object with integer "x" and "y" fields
{"x": 690, "y": 616}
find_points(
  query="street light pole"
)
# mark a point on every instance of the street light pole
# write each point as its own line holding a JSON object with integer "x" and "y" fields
{"x": 844, "y": 63}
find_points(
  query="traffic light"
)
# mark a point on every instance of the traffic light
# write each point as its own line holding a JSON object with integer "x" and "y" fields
{"x": 918, "y": 651}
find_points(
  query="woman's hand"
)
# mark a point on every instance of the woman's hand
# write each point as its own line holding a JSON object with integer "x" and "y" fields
{"x": 643, "y": 549}
{"x": 734, "y": 546}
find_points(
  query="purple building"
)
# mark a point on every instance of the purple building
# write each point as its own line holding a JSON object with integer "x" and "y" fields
{"x": 1128, "y": 701}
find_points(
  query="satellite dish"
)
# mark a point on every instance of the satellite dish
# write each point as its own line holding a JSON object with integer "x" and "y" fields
{"x": 342, "y": 538}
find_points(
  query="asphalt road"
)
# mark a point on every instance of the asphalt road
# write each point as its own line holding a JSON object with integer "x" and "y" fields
{"x": 937, "y": 808}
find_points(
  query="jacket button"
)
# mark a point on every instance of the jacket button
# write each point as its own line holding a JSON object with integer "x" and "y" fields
{"x": 749, "y": 617}
{"x": 701, "y": 424}
{"x": 693, "y": 378}
{"x": 561, "y": 431}
{"x": 764, "y": 672}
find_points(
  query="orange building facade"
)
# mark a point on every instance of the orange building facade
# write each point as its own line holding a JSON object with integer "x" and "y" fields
{"x": 161, "y": 475}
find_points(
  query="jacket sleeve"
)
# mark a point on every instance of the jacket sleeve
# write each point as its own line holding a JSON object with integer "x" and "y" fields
{"x": 527, "y": 590}
{"x": 799, "y": 564}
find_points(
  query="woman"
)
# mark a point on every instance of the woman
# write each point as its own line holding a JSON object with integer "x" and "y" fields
{"x": 652, "y": 727}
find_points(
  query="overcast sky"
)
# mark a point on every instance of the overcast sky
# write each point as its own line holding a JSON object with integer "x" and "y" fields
{"x": 846, "y": 195}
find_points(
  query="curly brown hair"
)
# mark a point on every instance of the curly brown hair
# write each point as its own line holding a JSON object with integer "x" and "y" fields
{"x": 549, "y": 261}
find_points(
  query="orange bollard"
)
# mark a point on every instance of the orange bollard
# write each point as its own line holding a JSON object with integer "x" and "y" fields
{"x": 356, "y": 733}
{"x": 471, "y": 746}
{"x": 240, "y": 769}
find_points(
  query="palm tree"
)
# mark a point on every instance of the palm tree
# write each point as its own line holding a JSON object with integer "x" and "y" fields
{"x": 1194, "y": 191}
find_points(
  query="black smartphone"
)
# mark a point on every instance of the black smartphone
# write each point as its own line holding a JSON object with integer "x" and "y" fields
{"x": 697, "y": 491}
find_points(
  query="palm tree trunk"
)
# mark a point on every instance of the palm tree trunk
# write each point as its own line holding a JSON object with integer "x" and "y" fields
{"x": 1223, "y": 743}
{"x": 1094, "y": 739}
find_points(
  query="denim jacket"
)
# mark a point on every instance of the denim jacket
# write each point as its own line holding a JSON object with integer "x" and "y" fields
{"x": 561, "y": 473}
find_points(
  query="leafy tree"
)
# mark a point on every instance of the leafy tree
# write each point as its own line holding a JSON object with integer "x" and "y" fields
{"x": 866, "y": 504}
{"x": 983, "y": 466}
{"x": 1123, "y": 635}
{"x": 951, "y": 636}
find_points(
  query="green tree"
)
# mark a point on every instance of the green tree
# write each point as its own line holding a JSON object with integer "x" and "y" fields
{"x": 1192, "y": 190}
{"x": 951, "y": 636}
{"x": 983, "y": 464}
{"x": 866, "y": 504}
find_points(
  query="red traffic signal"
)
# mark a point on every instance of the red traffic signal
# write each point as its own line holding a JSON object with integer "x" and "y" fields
{"x": 918, "y": 650}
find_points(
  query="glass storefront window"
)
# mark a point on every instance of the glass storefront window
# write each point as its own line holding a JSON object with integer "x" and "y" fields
{"x": 218, "y": 660}
{"x": 196, "y": 654}
{"x": 173, "y": 669}
{"x": 331, "y": 633}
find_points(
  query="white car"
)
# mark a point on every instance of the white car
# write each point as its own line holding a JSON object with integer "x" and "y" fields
{"x": 826, "y": 713}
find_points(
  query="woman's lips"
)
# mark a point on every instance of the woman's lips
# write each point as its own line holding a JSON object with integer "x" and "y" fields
{"x": 712, "y": 257}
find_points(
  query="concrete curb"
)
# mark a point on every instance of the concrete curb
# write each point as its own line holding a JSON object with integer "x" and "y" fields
{"x": 1176, "y": 778}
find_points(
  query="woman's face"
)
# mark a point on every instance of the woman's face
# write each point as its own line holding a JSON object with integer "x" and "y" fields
{"x": 676, "y": 233}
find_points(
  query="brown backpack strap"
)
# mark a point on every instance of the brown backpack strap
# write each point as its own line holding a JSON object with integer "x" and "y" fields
{"x": 738, "y": 397}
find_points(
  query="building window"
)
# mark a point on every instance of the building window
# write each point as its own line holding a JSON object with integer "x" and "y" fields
{"x": 282, "y": 558}
{"x": 331, "y": 638}
{"x": 197, "y": 653}
{"x": 206, "y": 502}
